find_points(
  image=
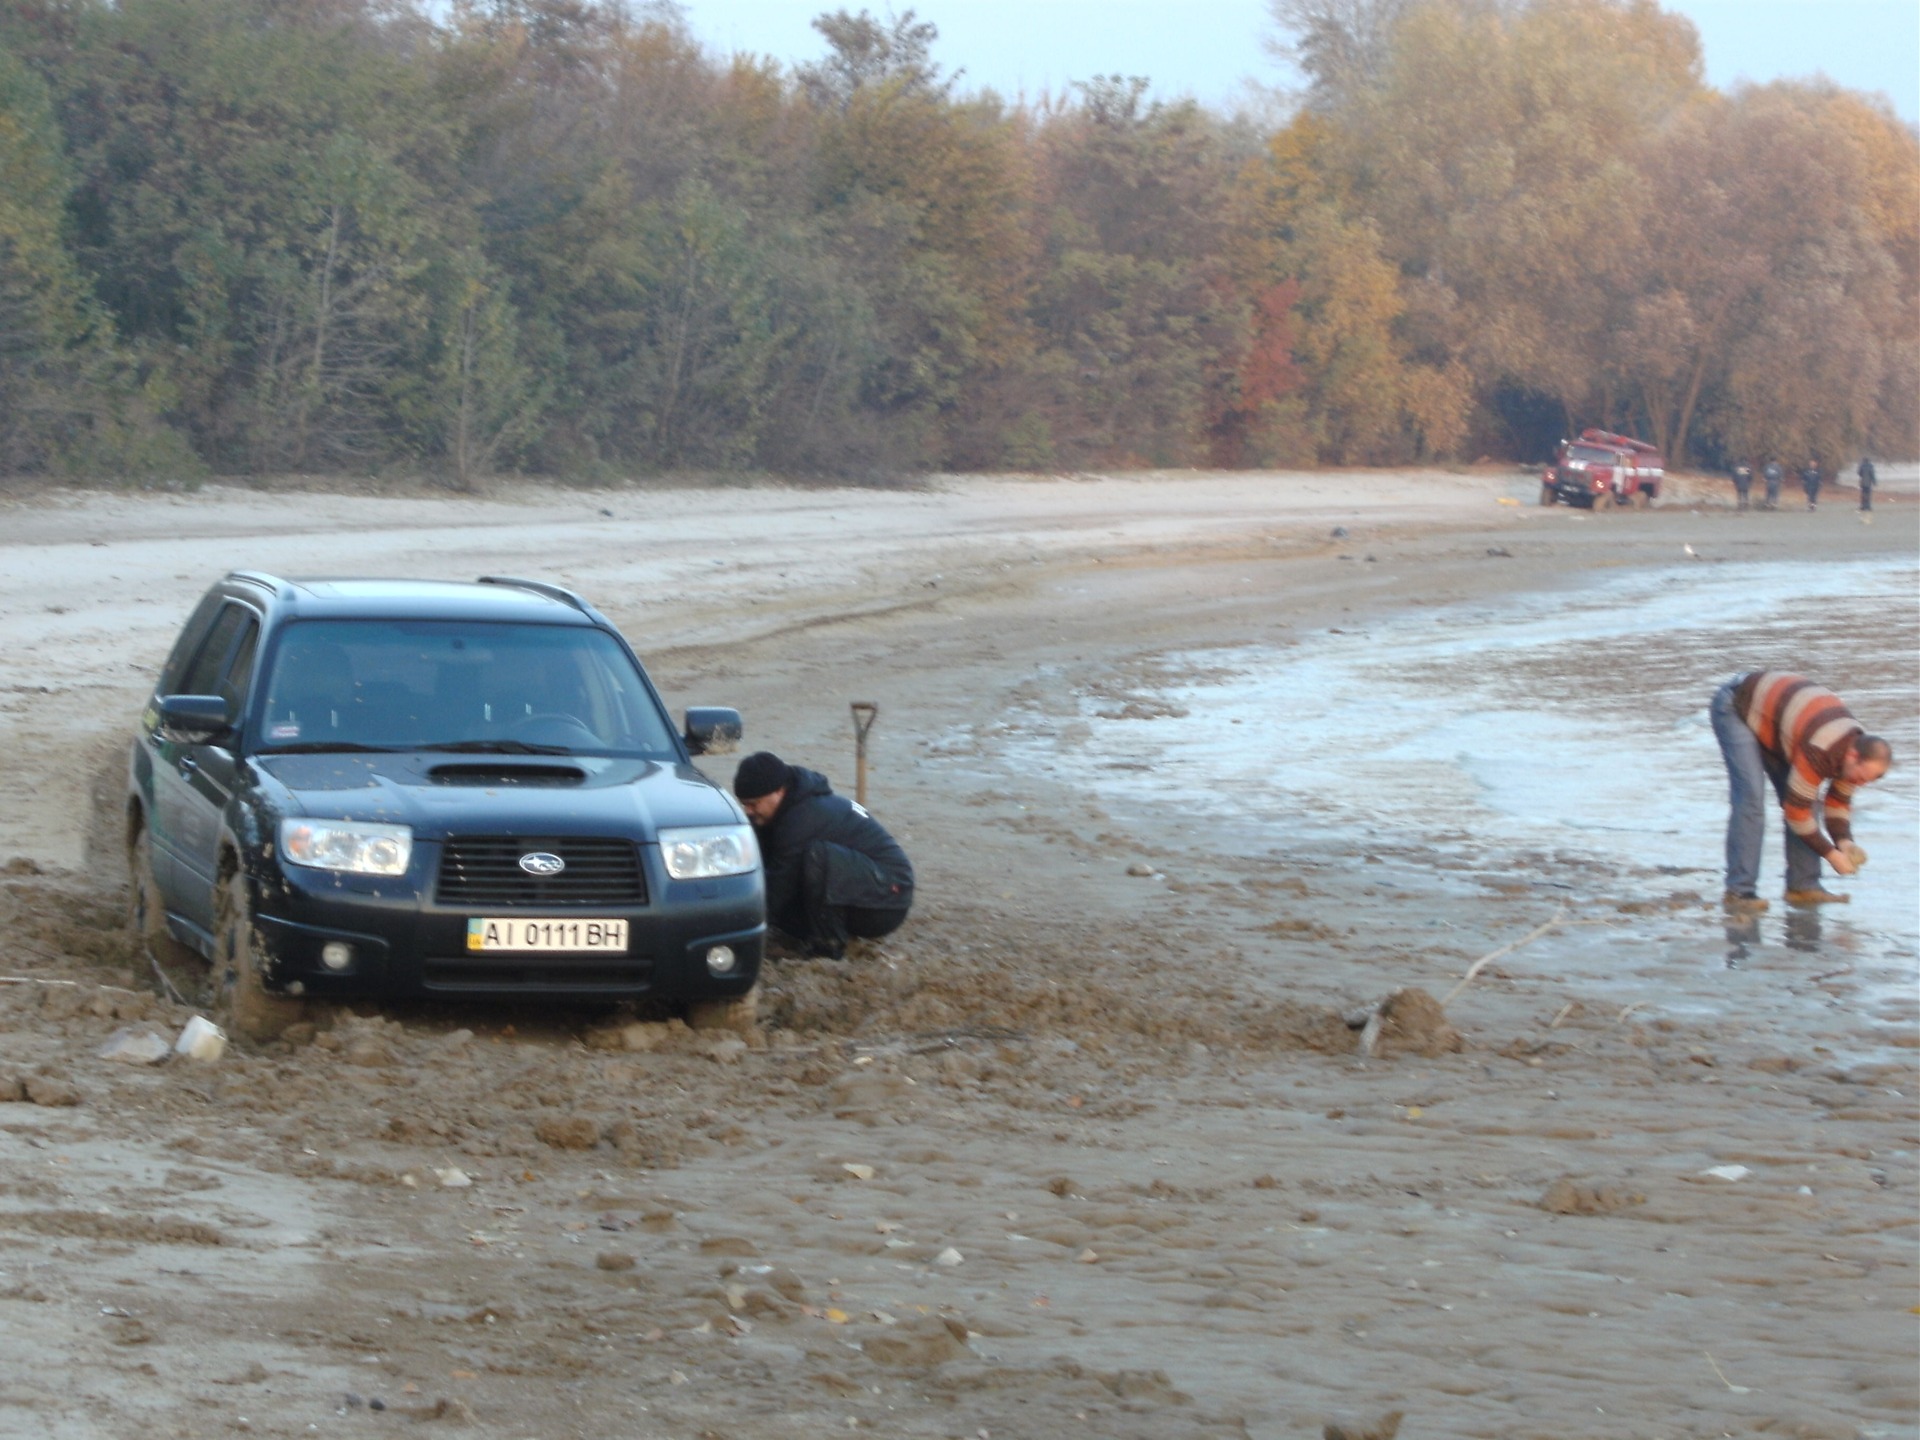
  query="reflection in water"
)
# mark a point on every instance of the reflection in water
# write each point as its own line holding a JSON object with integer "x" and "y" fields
{"x": 1803, "y": 929}
{"x": 1743, "y": 933}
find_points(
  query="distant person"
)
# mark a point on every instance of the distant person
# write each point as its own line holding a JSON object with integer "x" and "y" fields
{"x": 833, "y": 872}
{"x": 1773, "y": 475}
{"x": 1810, "y": 482}
{"x": 1867, "y": 481}
{"x": 1786, "y": 731}
{"x": 1742, "y": 484}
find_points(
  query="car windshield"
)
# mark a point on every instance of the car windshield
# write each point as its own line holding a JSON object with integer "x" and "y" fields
{"x": 479, "y": 688}
{"x": 1593, "y": 455}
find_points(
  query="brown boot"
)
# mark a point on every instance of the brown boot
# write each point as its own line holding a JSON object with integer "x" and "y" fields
{"x": 1816, "y": 896}
{"x": 1737, "y": 904}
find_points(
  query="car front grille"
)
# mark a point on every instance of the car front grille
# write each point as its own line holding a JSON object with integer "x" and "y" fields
{"x": 545, "y": 974}
{"x": 485, "y": 870}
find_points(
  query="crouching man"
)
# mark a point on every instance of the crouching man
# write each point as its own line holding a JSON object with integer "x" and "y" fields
{"x": 833, "y": 872}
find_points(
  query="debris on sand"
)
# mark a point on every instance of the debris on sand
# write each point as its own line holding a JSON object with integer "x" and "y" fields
{"x": 49, "y": 1090}
{"x": 1407, "y": 1022}
{"x": 1385, "y": 1428}
{"x": 924, "y": 1341}
{"x": 1567, "y": 1196}
{"x": 201, "y": 1039}
{"x": 135, "y": 1047}
{"x": 568, "y": 1132}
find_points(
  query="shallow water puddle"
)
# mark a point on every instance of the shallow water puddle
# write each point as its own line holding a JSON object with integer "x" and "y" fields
{"x": 1562, "y": 736}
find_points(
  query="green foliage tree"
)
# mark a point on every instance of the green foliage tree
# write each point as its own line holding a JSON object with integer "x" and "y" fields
{"x": 69, "y": 400}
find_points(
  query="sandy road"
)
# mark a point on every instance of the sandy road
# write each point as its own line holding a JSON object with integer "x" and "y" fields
{"x": 1180, "y": 1204}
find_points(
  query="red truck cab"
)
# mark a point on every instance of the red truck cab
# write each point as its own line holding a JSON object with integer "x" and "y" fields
{"x": 1602, "y": 470}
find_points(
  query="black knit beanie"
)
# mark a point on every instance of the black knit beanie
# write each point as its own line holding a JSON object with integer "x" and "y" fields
{"x": 761, "y": 773}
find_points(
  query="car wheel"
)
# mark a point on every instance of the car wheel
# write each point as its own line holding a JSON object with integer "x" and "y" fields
{"x": 1603, "y": 501}
{"x": 1547, "y": 497}
{"x": 1642, "y": 500}
{"x": 147, "y": 911}
{"x": 240, "y": 994}
{"x": 737, "y": 1012}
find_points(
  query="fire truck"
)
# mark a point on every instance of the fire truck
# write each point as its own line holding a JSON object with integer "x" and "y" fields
{"x": 1602, "y": 470}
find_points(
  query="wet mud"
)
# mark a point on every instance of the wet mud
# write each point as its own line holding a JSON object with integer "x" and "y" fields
{"x": 1134, "y": 1130}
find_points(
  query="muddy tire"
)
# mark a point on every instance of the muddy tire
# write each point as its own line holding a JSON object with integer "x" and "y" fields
{"x": 1547, "y": 496}
{"x": 1603, "y": 502}
{"x": 241, "y": 1000}
{"x": 738, "y": 1013}
{"x": 146, "y": 912}
{"x": 1642, "y": 500}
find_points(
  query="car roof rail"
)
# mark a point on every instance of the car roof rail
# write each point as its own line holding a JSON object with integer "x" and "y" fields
{"x": 541, "y": 587}
{"x": 261, "y": 578}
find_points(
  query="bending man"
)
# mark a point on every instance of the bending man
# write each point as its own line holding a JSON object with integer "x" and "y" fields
{"x": 1785, "y": 730}
{"x": 833, "y": 872}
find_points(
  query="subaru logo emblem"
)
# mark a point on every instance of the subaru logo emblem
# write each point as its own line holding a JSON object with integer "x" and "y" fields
{"x": 541, "y": 863}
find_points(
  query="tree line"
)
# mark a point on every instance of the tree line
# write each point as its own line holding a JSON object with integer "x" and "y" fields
{"x": 560, "y": 236}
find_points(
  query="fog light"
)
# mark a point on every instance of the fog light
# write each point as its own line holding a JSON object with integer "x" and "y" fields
{"x": 336, "y": 955}
{"x": 720, "y": 960}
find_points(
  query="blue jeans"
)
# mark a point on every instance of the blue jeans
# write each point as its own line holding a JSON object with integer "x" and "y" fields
{"x": 1750, "y": 770}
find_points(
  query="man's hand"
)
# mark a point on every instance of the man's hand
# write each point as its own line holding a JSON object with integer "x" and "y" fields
{"x": 1841, "y": 862}
{"x": 1854, "y": 853}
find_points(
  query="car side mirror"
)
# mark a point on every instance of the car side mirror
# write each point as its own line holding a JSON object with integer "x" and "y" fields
{"x": 713, "y": 730}
{"x": 192, "y": 719}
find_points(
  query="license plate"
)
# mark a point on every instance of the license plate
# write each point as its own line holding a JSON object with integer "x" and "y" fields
{"x": 488, "y": 933}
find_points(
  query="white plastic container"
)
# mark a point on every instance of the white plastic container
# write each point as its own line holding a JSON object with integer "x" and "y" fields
{"x": 201, "y": 1040}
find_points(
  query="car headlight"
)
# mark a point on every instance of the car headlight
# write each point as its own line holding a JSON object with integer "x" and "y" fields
{"x": 710, "y": 852}
{"x": 360, "y": 846}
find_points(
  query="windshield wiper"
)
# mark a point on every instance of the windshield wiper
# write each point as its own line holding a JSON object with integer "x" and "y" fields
{"x": 328, "y": 747}
{"x": 496, "y": 747}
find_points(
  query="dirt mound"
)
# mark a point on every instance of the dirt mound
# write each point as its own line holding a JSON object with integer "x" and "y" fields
{"x": 1567, "y": 1196}
{"x": 1412, "y": 1022}
{"x": 1107, "y": 992}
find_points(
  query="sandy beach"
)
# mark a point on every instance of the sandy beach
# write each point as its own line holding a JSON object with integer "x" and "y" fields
{"x": 1091, "y": 1147}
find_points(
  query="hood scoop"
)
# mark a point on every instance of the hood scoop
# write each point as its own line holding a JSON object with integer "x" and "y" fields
{"x": 494, "y": 772}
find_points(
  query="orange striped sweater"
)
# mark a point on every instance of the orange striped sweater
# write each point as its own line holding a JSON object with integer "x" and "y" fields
{"x": 1807, "y": 729}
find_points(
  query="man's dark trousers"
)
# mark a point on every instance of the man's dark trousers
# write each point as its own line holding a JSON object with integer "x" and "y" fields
{"x": 844, "y": 896}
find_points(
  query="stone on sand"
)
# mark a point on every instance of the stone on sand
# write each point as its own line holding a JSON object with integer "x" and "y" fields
{"x": 1385, "y": 1428}
{"x": 923, "y": 1341}
{"x": 1567, "y": 1196}
{"x": 135, "y": 1047}
{"x": 568, "y": 1132}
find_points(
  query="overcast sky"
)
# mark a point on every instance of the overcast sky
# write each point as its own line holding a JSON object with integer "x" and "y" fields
{"x": 1208, "y": 48}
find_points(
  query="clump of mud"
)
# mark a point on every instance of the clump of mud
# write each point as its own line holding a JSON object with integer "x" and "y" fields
{"x": 52, "y": 920}
{"x": 1412, "y": 1022}
{"x": 1567, "y": 1196}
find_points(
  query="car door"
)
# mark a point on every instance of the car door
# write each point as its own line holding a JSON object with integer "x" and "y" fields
{"x": 194, "y": 780}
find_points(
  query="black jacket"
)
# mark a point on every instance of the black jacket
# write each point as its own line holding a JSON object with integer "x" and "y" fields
{"x": 813, "y": 812}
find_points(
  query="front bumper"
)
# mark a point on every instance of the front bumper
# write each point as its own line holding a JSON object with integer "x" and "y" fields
{"x": 405, "y": 943}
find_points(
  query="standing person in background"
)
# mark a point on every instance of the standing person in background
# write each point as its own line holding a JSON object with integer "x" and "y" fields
{"x": 1810, "y": 482}
{"x": 1786, "y": 731}
{"x": 1742, "y": 484}
{"x": 833, "y": 872}
{"x": 1867, "y": 481}
{"x": 1773, "y": 475}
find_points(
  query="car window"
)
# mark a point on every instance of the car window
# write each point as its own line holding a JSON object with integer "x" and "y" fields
{"x": 434, "y": 683}
{"x": 188, "y": 644}
{"x": 232, "y": 686}
{"x": 203, "y": 676}
{"x": 1593, "y": 455}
